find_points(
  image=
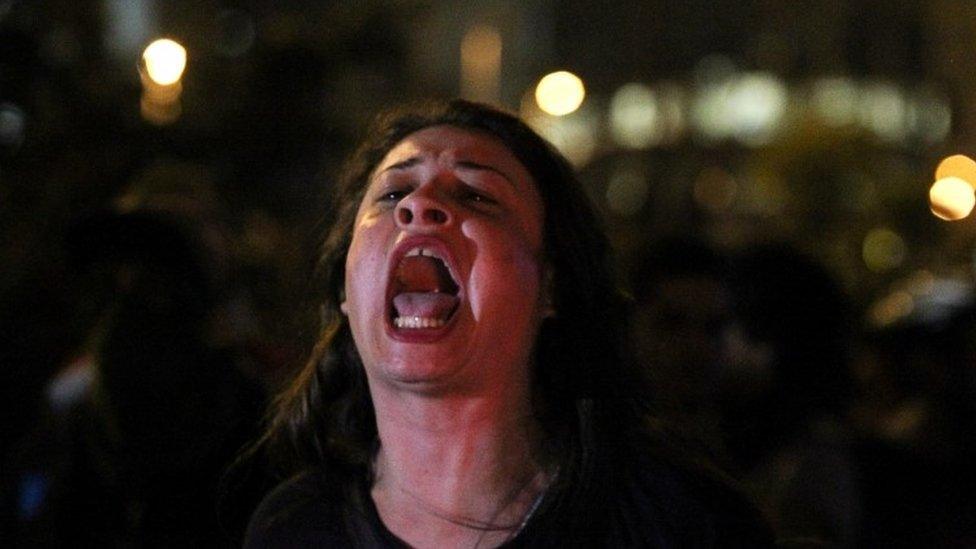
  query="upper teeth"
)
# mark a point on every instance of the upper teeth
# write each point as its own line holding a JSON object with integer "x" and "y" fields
{"x": 424, "y": 252}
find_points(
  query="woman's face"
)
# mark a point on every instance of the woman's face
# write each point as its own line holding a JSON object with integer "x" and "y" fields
{"x": 444, "y": 273}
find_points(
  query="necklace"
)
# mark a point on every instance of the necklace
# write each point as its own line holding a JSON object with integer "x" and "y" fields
{"x": 528, "y": 514}
{"x": 486, "y": 527}
{"x": 477, "y": 524}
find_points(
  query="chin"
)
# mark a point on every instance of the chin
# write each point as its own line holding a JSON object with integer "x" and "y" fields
{"x": 415, "y": 373}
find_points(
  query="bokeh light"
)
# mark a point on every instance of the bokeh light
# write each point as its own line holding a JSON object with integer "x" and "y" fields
{"x": 892, "y": 308}
{"x": 883, "y": 110}
{"x": 756, "y": 105}
{"x": 709, "y": 111}
{"x": 560, "y": 93}
{"x": 481, "y": 61}
{"x": 575, "y": 135}
{"x": 162, "y": 94}
{"x": 835, "y": 100}
{"x": 159, "y": 113}
{"x": 748, "y": 106}
{"x": 634, "y": 119}
{"x": 672, "y": 107}
{"x": 165, "y": 61}
{"x": 957, "y": 165}
{"x": 951, "y": 198}
{"x": 883, "y": 249}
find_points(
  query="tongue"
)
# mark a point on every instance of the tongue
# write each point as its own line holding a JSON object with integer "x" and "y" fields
{"x": 425, "y": 304}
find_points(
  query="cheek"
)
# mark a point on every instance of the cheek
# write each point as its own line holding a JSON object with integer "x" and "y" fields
{"x": 506, "y": 273}
{"x": 362, "y": 270}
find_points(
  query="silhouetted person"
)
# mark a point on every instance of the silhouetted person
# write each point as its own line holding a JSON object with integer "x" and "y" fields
{"x": 917, "y": 468}
{"x": 786, "y": 393}
{"x": 143, "y": 425}
{"x": 683, "y": 313}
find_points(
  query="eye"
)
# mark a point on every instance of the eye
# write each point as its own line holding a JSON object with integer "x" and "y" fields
{"x": 471, "y": 194}
{"x": 393, "y": 195}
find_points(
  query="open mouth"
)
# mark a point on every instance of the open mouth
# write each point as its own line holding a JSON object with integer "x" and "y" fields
{"x": 424, "y": 293}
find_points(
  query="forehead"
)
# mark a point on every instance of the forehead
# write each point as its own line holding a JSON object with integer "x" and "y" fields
{"x": 449, "y": 144}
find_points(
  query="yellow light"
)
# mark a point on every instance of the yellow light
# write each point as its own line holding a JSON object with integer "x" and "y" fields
{"x": 958, "y": 165}
{"x": 162, "y": 94}
{"x": 165, "y": 61}
{"x": 160, "y": 114}
{"x": 560, "y": 93}
{"x": 951, "y": 198}
{"x": 481, "y": 61}
{"x": 883, "y": 249}
{"x": 892, "y": 308}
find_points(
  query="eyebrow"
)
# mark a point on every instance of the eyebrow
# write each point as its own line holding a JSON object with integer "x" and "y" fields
{"x": 403, "y": 164}
{"x": 464, "y": 164}
{"x": 483, "y": 167}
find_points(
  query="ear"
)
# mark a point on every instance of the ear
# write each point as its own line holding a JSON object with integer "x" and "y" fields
{"x": 342, "y": 302}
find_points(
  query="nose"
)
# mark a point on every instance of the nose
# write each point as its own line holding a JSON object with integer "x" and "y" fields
{"x": 421, "y": 209}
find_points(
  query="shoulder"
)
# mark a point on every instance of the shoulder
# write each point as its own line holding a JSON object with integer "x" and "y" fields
{"x": 300, "y": 512}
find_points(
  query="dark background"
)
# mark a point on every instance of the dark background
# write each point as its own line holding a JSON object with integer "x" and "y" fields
{"x": 275, "y": 94}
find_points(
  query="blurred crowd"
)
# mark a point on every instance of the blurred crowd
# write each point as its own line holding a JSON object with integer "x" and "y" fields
{"x": 160, "y": 381}
{"x": 847, "y": 431}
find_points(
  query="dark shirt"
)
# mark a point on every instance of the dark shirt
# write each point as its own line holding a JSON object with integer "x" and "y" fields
{"x": 657, "y": 507}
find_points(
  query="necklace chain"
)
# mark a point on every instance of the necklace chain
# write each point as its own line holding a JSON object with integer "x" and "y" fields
{"x": 516, "y": 529}
{"x": 476, "y": 524}
{"x": 486, "y": 527}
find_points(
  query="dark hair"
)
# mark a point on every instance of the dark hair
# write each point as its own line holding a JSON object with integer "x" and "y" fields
{"x": 587, "y": 391}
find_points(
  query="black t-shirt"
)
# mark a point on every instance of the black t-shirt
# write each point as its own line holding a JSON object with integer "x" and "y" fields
{"x": 656, "y": 506}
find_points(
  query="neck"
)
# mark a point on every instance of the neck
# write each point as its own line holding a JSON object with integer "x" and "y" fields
{"x": 456, "y": 469}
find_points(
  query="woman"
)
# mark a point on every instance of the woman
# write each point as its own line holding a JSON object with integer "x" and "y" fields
{"x": 471, "y": 386}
